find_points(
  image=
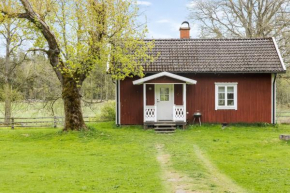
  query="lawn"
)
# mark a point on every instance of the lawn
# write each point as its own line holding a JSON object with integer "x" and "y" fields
{"x": 127, "y": 159}
{"x": 41, "y": 109}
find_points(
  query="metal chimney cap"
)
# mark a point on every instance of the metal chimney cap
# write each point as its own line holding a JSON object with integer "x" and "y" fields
{"x": 185, "y": 27}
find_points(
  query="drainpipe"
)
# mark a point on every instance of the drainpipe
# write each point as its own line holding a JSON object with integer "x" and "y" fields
{"x": 274, "y": 99}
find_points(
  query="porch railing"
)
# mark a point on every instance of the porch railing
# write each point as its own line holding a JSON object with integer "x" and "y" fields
{"x": 178, "y": 113}
{"x": 150, "y": 113}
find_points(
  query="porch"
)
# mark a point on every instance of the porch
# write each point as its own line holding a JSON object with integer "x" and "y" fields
{"x": 164, "y": 99}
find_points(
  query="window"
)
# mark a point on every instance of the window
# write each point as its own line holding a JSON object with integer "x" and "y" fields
{"x": 226, "y": 96}
{"x": 164, "y": 94}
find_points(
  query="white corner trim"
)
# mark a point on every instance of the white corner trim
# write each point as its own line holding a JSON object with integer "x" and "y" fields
{"x": 181, "y": 78}
{"x": 119, "y": 100}
{"x": 272, "y": 98}
{"x": 116, "y": 106}
{"x": 279, "y": 54}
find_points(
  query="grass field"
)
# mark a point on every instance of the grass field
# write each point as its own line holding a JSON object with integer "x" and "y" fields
{"x": 40, "y": 109}
{"x": 129, "y": 159}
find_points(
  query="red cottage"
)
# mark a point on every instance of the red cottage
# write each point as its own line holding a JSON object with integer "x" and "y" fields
{"x": 226, "y": 80}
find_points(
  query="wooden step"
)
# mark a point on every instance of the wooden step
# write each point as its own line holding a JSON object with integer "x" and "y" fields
{"x": 173, "y": 131}
{"x": 164, "y": 128}
{"x": 165, "y": 124}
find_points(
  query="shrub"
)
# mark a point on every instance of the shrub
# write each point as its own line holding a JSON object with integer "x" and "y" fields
{"x": 108, "y": 111}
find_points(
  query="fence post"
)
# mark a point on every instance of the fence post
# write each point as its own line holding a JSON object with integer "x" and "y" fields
{"x": 55, "y": 122}
{"x": 12, "y": 123}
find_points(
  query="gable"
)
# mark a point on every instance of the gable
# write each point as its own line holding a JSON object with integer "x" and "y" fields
{"x": 166, "y": 75}
{"x": 165, "y": 79}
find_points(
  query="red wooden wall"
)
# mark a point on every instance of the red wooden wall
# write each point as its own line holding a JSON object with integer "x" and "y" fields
{"x": 254, "y": 99}
{"x": 131, "y": 99}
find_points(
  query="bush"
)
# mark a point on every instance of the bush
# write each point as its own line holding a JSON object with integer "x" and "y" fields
{"x": 108, "y": 111}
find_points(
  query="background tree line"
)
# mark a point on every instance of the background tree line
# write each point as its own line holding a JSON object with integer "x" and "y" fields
{"x": 34, "y": 80}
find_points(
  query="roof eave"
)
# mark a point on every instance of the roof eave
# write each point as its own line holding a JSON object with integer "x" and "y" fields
{"x": 161, "y": 74}
{"x": 279, "y": 54}
{"x": 219, "y": 72}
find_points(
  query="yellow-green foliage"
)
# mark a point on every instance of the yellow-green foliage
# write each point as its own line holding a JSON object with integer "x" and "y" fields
{"x": 92, "y": 32}
{"x": 14, "y": 95}
{"x": 108, "y": 111}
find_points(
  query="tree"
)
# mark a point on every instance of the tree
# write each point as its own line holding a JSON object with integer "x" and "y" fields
{"x": 74, "y": 44}
{"x": 10, "y": 31}
{"x": 242, "y": 18}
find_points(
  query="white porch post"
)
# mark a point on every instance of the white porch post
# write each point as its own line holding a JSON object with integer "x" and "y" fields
{"x": 173, "y": 113}
{"x": 184, "y": 101}
{"x": 144, "y": 101}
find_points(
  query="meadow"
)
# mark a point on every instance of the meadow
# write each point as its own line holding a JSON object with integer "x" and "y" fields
{"x": 41, "y": 109}
{"x": 107, "y": 158}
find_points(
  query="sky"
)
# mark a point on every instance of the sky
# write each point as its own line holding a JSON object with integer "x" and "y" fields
{"x": 164, "y": 17}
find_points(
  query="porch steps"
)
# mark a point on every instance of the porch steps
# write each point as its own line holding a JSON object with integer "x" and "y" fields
{"x": 164, "y": 128}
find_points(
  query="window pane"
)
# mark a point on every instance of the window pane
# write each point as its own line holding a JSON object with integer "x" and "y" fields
{"x": 230, "y": 102}
{"x": 221, "y": 96}
{"x": 166, "y": 97}
{"x": 221, "y": 102}
{"x": 164, "y": 90}
{"x": 231, "y": 96}
{"x": 221, "y": 89}
{"x": 164, "y": 94}
{"x": 230, "y": 89}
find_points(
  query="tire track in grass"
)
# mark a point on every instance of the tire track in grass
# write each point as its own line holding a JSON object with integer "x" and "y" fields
{"x": 216, "y": 176}
{"x": 178, "y": 182}
{"x": 174, "y": 182}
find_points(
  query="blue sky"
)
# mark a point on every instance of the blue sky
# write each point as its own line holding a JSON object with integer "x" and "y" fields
{"x": 164, "y": 17}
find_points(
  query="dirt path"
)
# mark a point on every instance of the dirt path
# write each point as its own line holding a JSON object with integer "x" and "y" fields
{"x": 177, "y": 182}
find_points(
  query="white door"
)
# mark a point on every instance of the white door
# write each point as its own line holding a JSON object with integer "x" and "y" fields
{"x": 164, "y": 100}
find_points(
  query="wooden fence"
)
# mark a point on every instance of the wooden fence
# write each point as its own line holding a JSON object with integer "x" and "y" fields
{"x": 283, "y": 116}
{"x": 39, "y": 121}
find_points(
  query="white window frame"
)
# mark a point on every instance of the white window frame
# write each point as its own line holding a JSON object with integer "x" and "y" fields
{"x": 226, "y": 84}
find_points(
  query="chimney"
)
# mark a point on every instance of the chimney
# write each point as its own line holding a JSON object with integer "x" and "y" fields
{"x": 184, "y": 30}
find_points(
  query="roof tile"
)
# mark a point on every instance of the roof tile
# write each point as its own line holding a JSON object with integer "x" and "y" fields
{"x": 215, "y": 55}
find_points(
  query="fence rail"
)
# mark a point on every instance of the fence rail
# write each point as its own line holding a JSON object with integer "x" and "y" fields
{"x": 283, "y": 116}
{"x": 39, "y": 121}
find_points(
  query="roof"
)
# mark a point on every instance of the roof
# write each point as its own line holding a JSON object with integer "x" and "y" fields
{"x": 177, "y": 77}
{"x": 216, "y": 56}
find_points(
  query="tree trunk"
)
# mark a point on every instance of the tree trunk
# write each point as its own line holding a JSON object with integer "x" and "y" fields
{"x": 7, "y": 87}
{"x": 107, "y": 87}
{"x": 72, "y": 105}
{"x": 8, "y": 95}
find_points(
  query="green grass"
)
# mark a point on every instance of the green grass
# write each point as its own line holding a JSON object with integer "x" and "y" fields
{"x": 253, "y": 157}
{"x": 107, "y": 160}
{"x": 112, "y": 159}
{"x": 40, "y": 109}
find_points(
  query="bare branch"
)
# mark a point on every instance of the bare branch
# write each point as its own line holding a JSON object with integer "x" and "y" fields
{"x": 39, "y": 50}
